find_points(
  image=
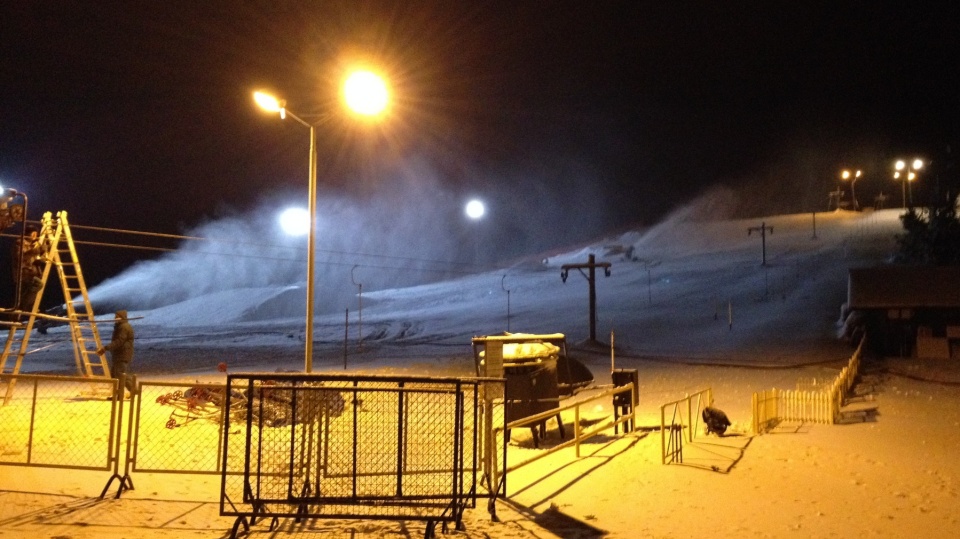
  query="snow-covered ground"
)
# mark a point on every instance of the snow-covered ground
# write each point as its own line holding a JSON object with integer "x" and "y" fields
{"x": 690, "y": 307}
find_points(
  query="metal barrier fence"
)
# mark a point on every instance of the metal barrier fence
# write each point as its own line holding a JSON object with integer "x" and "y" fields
{"x": 177, "y": 428}
{"x": 627, "y": 419}
{"x": 775, "y": 405}
{"x": 60, "y": 422}
{"x": 395, "y": 448}
{"x": 681, "y": 418}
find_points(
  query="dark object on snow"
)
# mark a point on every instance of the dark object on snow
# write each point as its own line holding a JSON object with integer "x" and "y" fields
{"x": 572, "y": 375}
{"x": 715, "y": 420}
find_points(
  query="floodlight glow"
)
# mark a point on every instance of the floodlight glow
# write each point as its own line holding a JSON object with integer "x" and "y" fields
{"x": 900, "y": 165}
{"x": 917, "y": 164}
{"x": 845, "y": 174}
{"x": 267, "y": 102}
{"x": 295, "y": 221}
{"x": 365, "y": 93}
{"x": 474, "y": 209}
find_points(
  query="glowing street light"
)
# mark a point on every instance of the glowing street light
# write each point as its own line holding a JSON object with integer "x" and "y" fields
{"x": 295, "y": 221}
{"x": 474, "y": 209}
{"x": 853, "y": 177}
{"x": 366, "y": 94}
{"x": 906, "y": 176}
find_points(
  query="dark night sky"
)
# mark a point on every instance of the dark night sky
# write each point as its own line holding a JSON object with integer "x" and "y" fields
{"x": 137, "y": 115}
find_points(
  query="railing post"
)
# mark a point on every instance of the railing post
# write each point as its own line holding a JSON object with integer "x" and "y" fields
{"x": 576, "y": 429}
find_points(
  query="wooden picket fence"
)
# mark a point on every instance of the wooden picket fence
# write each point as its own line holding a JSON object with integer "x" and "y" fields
{"x": 811, "y": 406}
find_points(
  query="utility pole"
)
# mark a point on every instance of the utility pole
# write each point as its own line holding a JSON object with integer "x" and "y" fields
{"x": 592, "y": 266}
{"x": 762, "y": 229}
{"x": 360, "y": 315}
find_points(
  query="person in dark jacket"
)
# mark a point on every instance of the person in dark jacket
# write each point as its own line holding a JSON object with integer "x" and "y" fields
{"x": 121, "y": 352}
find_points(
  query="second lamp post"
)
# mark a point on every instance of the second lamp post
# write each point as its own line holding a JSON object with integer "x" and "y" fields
{"x": 365, "y": 93}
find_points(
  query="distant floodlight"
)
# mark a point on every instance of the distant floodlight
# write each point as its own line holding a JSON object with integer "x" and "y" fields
{"x": 295, "y": 221}
{"x": 365, "y": 93}
{"x": 899, "y": 165}
{"x": 475, "y": 209}
{"x": 917, "y": 164}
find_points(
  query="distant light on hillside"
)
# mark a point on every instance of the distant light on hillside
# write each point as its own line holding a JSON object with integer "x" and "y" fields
{"x": 295, "y": 221}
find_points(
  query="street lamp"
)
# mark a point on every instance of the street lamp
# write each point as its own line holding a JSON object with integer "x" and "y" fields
{"x": 474, "y": 209}
{"x": 365, "y": 93}
{"x": 906, "y": 176}
{"x": 853, "y": 177}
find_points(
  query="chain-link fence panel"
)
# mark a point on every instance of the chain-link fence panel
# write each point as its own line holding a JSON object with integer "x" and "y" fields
{"x": 177, "y": 427}
{"x": 59, "y": 421}
{"x": 356, "y": 447}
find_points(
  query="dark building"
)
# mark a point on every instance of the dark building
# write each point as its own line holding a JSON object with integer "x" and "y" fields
{"x": 907, "y": 310}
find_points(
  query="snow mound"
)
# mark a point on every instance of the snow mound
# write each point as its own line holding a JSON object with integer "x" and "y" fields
{"x": 228, "y": 306}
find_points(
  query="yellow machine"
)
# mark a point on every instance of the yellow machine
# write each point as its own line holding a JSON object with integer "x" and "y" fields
{"x": 56, "y": 249}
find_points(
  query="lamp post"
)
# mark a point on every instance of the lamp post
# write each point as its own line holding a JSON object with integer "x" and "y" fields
{"x": 366, "y": 94}
{"x": 906, "y": 174}
{"x": 853, "y": 177}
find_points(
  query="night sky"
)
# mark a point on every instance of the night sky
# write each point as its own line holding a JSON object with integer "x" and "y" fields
{"x": 603, "y": 115}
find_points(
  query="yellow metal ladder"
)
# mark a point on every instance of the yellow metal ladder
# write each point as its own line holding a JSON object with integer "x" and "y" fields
{"x": 59, "y": 251}
{"x": 83, "y": 326}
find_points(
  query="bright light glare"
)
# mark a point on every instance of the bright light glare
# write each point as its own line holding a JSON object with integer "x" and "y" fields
{"x": 365, "y": 93}
{"x": 295, "y": 221}
{"x": 917, "y": 164}
{"x": 845, "y": 174}
{"x": 267, "y": 102}
{"x": 475, "y": 209}
{"x": 900, "y": 165}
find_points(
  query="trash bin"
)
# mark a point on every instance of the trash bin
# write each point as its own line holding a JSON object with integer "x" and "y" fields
{"x": 531, "y": 388}
{"x": 625, "y": 403}
{"x": 528, "y": 363}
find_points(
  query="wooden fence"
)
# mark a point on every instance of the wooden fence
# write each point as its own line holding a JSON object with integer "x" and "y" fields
{"x": 815, "y": 405}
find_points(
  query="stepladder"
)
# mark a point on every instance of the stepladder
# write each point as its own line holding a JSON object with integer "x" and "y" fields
{"x": 52, "y": 249}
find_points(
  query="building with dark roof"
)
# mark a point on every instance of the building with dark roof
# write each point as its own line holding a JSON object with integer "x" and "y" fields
{"x": 908, "y": 310}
